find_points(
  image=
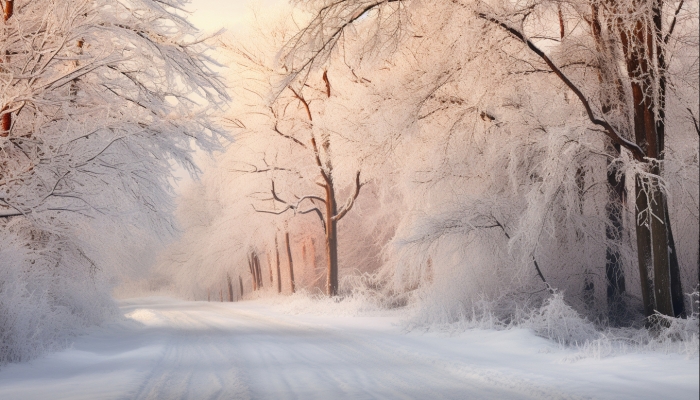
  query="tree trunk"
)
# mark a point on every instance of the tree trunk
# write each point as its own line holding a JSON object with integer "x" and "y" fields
{"x": 588, "y": 285}
{"x": 676, "y": 282}
{"x": 303, "y": 254}
{"x": 652, "y": 233}
{"x": 643, "y": 250}
{"x": 258, "y": 270}
{"x": 614, "y": 273}
{"x": 230, "y": 288}
{"x": 6, "y": 122}
{"x": 253, "y": 277}
{"x": 269, "y": 265}
{"x": 291, "y": 263}
{"x": 659, "y": 242}
{"x": 331, "y": 241}
{"x": 277, "y": 261}
{"x": 312, "y": 254}
{"x": 240, "y": 285}
{"x": 9, "y": 9}
{"x": 7, "y": 117}
{"x": 611, "y": 93}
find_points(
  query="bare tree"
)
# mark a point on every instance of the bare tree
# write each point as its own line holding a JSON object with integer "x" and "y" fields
{"x": 311, "y": 159}
{"x": 328, "y": 212}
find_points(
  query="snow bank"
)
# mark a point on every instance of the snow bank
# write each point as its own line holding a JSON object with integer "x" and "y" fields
{"x": 559, "y": 322}
{"x": 554, "y": 320}
{"x": 309, "y": 303}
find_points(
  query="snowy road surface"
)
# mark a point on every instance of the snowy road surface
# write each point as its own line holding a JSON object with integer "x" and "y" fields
{"x": 169, "y": 349}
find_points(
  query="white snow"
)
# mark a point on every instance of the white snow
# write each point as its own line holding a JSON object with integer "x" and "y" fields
{"x": 166, "y": 349}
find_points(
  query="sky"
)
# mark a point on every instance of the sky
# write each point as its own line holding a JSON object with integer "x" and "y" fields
{"x": 234, "y": 15}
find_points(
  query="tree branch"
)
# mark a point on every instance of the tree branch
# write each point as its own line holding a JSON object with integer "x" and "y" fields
{"x": 329, "y": 43}
{"x": 537, "y": 266}
{"x": 325, "y": 176}
{"x": 695, "y": 121}
{"x": 320, "y": 216}
{"x": 328, "y": 83}
{"x": 311, "y": 197}
{"x": 274, "y": 195}
{"x": 609, "y": 130}
{"x": 673, "y": 23}
{"x": 303, "y": 102}
{"x": 256, "y": 170}
{"x": 294, "y": 207}
{"x": 270, "y": 211}
{"x": 295, "y": 140}
{"x": 15, "y": 212}
{"x": 351, "y": 200}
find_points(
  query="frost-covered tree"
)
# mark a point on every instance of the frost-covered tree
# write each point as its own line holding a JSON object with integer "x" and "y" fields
{"x": 631, "y": 109}
{"x": 593, "y": 79}
{"x": 307, "y": 147}
{"x": 270, "y": 181}
{"x": 100, "y": 99}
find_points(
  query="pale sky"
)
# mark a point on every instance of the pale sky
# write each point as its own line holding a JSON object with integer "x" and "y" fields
{"x": 234, "y": 15}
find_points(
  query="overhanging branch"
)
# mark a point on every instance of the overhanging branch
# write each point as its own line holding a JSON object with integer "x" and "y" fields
{"x": 328, "y": 44}
{"x": 609, "y": 130}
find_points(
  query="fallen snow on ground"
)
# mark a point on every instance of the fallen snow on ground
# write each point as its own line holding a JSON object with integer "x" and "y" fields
{"x": 167, "y": 349}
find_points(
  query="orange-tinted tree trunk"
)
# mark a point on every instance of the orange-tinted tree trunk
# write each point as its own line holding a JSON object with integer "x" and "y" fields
{"x": 7, "y": 116}
{"x": 277, "y": 261}
{"x": 331, "y": 242}
{"x": 291, "y": 263}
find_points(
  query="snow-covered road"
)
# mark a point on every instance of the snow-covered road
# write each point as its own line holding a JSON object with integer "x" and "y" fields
{"x": 169, "y": 349}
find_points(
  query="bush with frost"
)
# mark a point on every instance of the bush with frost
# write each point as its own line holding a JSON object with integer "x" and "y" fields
{"x": 47, "y": 296}
{"x": 557, "y": 321}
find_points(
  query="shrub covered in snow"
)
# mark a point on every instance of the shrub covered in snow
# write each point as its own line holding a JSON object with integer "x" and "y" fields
{"x": 557, "y": 321}
{"x": 49, "y": 292}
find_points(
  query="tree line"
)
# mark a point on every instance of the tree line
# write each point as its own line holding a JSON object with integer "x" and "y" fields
{"x": 554, "y": 142}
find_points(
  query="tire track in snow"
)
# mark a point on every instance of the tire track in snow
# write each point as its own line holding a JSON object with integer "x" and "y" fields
{"x": 194, "y": 364}
{"x": 217, "y": 351}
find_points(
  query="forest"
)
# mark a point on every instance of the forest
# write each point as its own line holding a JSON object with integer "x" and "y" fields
{"x": 475, "y": 162}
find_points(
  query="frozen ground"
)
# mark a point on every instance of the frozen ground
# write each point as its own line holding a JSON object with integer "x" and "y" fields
{"x": 169, "y": 349}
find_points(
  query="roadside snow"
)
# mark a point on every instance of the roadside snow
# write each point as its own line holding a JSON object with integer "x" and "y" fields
{"x": 166, "y": 349}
